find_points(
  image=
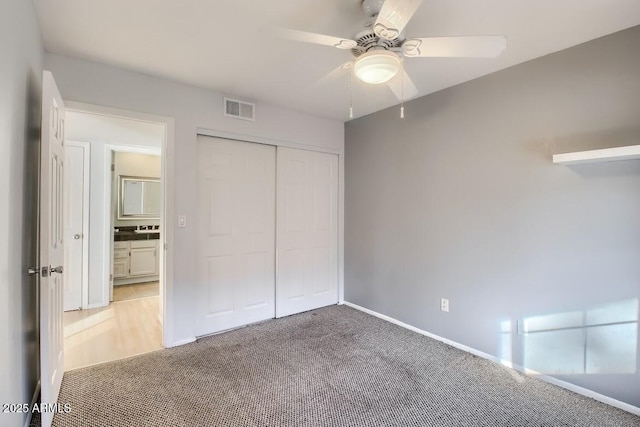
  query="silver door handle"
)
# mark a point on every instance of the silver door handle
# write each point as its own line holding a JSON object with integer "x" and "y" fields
{"x": 57, "y": 269}
{"x": 76, "y": 237}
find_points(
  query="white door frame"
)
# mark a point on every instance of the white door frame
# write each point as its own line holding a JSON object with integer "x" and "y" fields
{"x": 85, "y": 218}
{"x": 280, "y": 143}
{"x": 168, "y": 215}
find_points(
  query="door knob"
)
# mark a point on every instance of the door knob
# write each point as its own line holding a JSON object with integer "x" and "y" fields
{"x": 76, "y": 237}
{"x": 57, "y": 269}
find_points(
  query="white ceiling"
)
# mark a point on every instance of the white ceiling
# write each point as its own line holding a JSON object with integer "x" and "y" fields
{"x": 227, "y": 45}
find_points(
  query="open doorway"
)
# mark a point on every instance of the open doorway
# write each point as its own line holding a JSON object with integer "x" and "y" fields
{"x": 115, "y": 235}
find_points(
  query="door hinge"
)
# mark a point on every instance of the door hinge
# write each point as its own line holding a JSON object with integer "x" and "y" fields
{"x": 113, "y": 167}
{"x": 111, "y": 277}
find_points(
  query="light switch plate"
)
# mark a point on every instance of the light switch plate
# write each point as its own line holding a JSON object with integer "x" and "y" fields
{"x": 182, "y": 221}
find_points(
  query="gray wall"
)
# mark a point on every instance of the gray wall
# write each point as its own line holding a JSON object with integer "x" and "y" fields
{"x": 461, "y": 200}
{"x": 20, "y": 98}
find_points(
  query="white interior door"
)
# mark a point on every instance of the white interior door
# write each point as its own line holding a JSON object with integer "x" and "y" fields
{"x": 307, "y": 230}
{"x": 236, "y": 228}
{"x": 51, "y": 245}
{"x": 76, "y": 221}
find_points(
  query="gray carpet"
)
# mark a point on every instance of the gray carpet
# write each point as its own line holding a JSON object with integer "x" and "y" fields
{"x": 329, "y": 367}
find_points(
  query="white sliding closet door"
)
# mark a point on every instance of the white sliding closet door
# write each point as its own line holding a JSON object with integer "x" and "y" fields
{"x": 236, "y": 228}
{"x": 307, "y": 230}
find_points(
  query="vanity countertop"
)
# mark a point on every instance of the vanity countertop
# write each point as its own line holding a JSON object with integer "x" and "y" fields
{"x": 135, "y": 233}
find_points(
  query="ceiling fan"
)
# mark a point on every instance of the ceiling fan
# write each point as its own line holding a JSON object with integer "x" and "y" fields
{"x": 379, "y": 50}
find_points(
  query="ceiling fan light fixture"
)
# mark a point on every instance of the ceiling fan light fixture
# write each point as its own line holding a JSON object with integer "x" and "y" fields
{"x": 377, "y": 67}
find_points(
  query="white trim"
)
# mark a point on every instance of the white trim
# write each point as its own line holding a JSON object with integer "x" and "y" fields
{"x": 340, "y": 228}
{"x": 134, "y": 280}
{"x": 97, "y": 305}
{"x": 128, "y": 148}
{"x": 100, "y": 110}
{"x": 630, "y": 152}
{"x": 566, "y": 385}
{"x": 34, "y": 400}
{"x": 181, "y": 342}
{"x": 167, "y": 220}
{"x": 267, "y": 141}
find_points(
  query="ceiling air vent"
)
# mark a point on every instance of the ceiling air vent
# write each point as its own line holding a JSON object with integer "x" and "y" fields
{"x": 239, "y": 109}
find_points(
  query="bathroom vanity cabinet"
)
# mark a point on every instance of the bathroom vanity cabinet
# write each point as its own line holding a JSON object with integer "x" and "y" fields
{"x": 135, "y": 261}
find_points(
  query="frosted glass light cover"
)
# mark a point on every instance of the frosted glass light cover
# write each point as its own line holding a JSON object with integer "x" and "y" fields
{"x": 377, "y": 67}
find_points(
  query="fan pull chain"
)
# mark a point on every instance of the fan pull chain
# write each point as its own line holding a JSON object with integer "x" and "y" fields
{"x": 402, "y": 90}
{"x": 351, "y": 93}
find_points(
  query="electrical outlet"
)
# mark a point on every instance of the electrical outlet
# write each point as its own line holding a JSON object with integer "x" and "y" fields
{"x": 444, "y": 304}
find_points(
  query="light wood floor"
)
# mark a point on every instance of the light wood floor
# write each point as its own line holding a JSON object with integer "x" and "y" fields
{"x": 139, "y": 290}
{"x": 122, "y": 329}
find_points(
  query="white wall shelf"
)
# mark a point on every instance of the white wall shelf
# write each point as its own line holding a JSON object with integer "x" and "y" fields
{"x": 595, "y": 156}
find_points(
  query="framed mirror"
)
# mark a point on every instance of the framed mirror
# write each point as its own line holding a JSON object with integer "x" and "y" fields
{"x": 139, "y": 197}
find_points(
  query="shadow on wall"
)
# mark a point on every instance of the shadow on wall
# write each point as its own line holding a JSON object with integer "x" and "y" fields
{"x": 29, "y": 235}
{"x": 600, "y": 340}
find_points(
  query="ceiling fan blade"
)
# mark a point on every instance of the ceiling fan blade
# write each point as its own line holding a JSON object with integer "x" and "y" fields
{"x": 402, "y": 86}
{"x": 393, "y": 17}
{"x": 336, "y": 73}
{"x": 303, "y": 36}
{"x": 448, "y": 47}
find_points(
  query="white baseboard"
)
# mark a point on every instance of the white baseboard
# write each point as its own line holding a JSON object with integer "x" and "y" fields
{"x": 181, "y": 342}
{"x": 572, "y": 387}
{"x": 96, "y": 305}
{"x": 34, "y": 400}
{"x": 134, "y": 280}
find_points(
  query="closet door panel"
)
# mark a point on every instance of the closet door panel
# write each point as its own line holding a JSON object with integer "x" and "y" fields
{"x": 307, "y": 230}
{"x": 236, "y": 229}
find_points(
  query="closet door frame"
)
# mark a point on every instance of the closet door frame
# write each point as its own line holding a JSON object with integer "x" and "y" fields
{"x": 279, "y": 143}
